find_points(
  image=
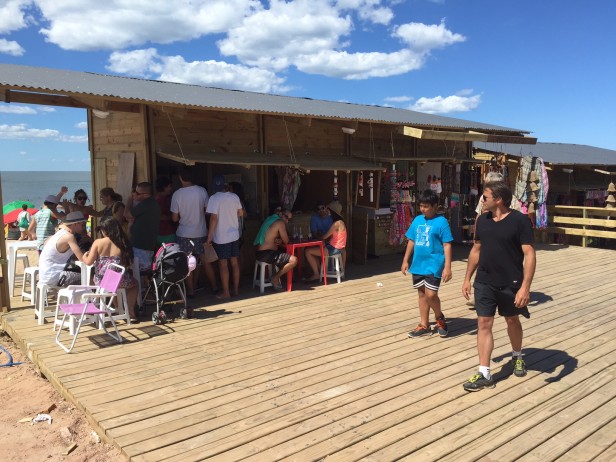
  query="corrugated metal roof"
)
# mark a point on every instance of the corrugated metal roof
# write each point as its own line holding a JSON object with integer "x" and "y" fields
{"x": 556, "y": 153}
{"x": 153, "y": 91}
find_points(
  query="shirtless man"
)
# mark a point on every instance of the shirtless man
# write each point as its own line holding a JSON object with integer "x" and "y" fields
{"x": 267, "y": 250}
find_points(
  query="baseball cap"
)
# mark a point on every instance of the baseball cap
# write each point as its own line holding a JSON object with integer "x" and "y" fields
{"x": 218, "y": 183}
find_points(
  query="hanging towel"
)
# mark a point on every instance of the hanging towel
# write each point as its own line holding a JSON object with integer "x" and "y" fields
{"x": 260, "y": 239}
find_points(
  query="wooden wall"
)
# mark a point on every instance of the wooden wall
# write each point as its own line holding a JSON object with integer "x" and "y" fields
{"x": 110, "y": 138}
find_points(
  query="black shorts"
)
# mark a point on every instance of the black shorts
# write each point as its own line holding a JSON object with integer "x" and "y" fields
{"x": 428, "y": 281}
{"x": 227, "y": 251}
{"x": 489, "y": 297}
{"x": 275, "y": 257}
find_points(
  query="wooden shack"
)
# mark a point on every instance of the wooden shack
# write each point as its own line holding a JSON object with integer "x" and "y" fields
{"x": 141, "y": 129}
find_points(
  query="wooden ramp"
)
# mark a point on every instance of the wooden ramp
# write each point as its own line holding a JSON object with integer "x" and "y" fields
{"x": 329, "y": 373}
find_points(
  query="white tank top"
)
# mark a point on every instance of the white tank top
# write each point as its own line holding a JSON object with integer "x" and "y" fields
{"x": 51, "y": 261}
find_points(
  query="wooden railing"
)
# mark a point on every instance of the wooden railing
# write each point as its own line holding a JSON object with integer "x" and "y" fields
{"x": 586, "y": 222}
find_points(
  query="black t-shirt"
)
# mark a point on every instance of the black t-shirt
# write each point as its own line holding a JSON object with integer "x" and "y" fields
{"x": 501, "y": 261}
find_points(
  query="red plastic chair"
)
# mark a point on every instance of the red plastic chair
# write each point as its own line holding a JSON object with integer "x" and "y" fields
{"x": 100, "y": 306}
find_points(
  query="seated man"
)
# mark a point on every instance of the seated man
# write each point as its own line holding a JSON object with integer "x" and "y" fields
{"x": 273, "y": 233}
{"x": 320, "y": 221}
{"x": 58, "y": 249}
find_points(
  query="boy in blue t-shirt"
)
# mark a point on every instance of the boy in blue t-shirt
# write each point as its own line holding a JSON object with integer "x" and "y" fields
{"x": 430, "y": 243}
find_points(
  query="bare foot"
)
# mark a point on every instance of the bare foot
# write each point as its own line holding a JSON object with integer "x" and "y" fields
{"x": 223, "y": 295}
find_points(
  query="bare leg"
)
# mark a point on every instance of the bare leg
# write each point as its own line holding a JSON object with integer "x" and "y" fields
{"x": 284, "y": 270}
{"x": 223, "y": 266}
{"x": 313, "y": 255}
{"x": 131, "y": 299}
{"x": 235, "y": 271}
{"x": 514, "y": 329}
{"x": 211, "y": 276}
{"x": 434, "y": 302}
{"x": 424, "y": 307}
{"x": 485, "y": 340}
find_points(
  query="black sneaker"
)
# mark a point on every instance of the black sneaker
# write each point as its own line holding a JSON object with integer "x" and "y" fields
{"x": 478, "y": 382}
{"x": 441, "y": 326}
{"x": 519, "y": 366}
{"x": 420, "y": 331}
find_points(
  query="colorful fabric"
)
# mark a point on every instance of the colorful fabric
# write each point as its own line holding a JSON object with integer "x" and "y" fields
{"x": 102, "y": 263}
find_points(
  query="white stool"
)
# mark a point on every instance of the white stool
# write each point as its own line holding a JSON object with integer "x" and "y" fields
{"x": 32, "y": 273}
{"x": 42, "y": 290}
{"x": 24, "y": 259}
{"x": 261, "y": 267}
{"x": 336, "y": 270}
{"x": 121, "y": 310}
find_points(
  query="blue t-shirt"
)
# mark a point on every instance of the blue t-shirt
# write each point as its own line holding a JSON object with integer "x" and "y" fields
{"x": 319, "y": 224}
{"x": 429, "y": 237}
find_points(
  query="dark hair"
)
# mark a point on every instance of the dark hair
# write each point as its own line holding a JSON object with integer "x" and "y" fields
{"x": 145, "y": 186}
{"x": 427, "y": 197}
{"x": 500, "y": 190}
{"x": 78, "y": 192}
{"x": 107, "y": 191}
{"x": 116, "y": 197}
{"x": 24, "y": 206}
{"x": 335, "y": 216}
{"x": 112, "y": 228}
{"x": 162, "y": 182}
{"x": 186, "y": 173}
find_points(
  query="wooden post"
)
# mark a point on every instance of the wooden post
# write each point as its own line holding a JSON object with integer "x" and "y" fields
{"x": 584, "y": 238}
{"x": 5, "y": 298}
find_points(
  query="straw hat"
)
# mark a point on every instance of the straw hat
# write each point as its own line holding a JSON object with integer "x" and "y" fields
{"x": 611, "y": 188}
{"x": 610, "y": 199}
{"x": 610, "y": 206}
{"x": 533, "y": 176}
{"x": 335, "y": 206}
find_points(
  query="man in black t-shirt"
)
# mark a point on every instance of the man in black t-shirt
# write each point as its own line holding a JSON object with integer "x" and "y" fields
{"x": 504, "y": 257}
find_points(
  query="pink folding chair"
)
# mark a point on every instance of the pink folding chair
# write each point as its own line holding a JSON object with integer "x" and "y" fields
{"x": 100, "y": 306}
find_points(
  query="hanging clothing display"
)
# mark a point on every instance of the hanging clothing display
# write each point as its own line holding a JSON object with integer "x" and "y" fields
{"x": 290, "y": 186}
{"x": 532, "y": 187}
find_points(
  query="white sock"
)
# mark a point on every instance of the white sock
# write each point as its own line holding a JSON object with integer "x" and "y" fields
{"x": 485, "y": 371}
{"x": 516, "y": 354}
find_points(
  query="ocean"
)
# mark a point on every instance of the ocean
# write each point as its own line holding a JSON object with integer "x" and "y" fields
{"x": 35, "y": 186}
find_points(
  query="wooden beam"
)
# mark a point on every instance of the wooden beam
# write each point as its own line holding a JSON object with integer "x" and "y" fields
{"x": 93, "y": 102}
{"x": 510, "y": 139}
{"x": 441, "y": 135}
{"x": 46, "y": 99}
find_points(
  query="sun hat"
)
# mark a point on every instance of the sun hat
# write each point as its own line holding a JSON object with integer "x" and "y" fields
{"x": 51, "y": 199}
{"x": 610, "y": 199}
{"x": 218, "y": 183}
{"x": 74, "y": 217}
{"x": 335, "y": 206}
{"x": 611, "y": 187}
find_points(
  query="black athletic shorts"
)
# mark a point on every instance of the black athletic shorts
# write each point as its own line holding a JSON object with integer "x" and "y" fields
{"x": 489, "y": 297}
{"x": 428, "y": 281}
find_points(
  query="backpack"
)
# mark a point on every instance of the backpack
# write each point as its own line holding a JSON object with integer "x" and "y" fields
{"x": 23, "y": 222}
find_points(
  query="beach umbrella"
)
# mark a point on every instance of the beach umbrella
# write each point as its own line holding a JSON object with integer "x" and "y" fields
{"x": 12, "y": 215}
{"x": 15, "y": 205}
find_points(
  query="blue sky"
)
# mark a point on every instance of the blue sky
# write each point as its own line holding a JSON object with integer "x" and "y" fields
{"x": 544, "y": 66}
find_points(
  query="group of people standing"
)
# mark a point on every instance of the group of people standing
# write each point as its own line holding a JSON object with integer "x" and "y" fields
{"x": 503, "y": 258}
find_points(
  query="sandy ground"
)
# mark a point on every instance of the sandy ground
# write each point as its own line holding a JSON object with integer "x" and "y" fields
{"x": 24, "y": 394}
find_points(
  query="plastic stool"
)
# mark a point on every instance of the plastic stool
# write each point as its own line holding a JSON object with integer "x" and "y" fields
{"x": 32, "y": 273}
{"x": 260, "y": 269}
{"x": 336, "y": 265}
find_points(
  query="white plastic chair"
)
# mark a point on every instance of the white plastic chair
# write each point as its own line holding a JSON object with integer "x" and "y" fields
{"x": 30, "y": 273}
{"x": 40, "y": 303}
{"x": 334, "y": 267}
{"x": 100, "y": 307}
{"x": 259, "y": 278}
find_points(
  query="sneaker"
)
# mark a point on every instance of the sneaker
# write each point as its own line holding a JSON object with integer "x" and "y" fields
{"x": 441, "y": 326}
{"x": 420, "y": 331}
{"x": 478, "y": 382}
{"x": 519, "y": 366}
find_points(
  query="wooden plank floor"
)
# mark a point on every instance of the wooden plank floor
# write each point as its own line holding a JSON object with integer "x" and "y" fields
{"x": 329, "y": 373}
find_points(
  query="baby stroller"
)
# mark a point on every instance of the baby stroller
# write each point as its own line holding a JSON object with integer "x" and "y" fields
{"x": 170, "y": 268}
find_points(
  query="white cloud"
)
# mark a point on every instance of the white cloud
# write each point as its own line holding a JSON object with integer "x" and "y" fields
{"x": 368, "y": 10}
{"x": 355, "y": 66}
{"x": 13, "y": 109}
{"x": 22, "y": 132}
{"x": 115, "y": 24}
{"x": 12, "y": 15}
{"x": 46, "y": 109}
{"x": 10, "y": 47}
{"x": 148, "y": 63}
{"x": 81, "y": 125}
{"x": 272, "y": 38}
{"x": 398, "y": 99}
{"x": 423, "y": 37}
{"x": 440, "y": 105}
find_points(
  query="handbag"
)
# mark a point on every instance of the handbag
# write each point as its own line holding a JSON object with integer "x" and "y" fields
{"x": 209, "y": 253}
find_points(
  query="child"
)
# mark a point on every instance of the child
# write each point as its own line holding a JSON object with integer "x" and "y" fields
{"x": 430, "y": 242}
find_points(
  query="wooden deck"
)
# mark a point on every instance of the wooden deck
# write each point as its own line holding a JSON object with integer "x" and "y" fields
{"x": 329, "y": 373}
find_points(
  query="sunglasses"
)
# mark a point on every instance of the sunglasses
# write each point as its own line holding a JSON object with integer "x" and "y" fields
{"x": 82, "y": 198}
